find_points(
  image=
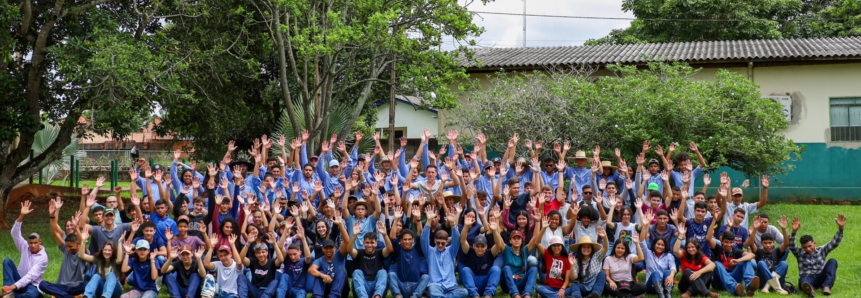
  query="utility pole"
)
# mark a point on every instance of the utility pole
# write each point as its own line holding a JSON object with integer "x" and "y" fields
{"x": 392, "y": 103}
{"x": 524, "y": 23}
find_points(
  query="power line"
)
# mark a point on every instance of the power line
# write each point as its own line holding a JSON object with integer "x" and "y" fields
{"x": 645, "y": 19}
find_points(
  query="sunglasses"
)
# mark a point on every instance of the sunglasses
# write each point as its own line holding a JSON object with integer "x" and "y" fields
{"x": 548, "y": 165}
{"x": 587, "y": 192}
{"x": 441, "y": 243}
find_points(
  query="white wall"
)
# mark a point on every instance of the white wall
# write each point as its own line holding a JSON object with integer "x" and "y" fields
{"x": 406, "y": 116}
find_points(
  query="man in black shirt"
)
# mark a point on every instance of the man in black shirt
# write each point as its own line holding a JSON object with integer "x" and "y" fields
{"x": 476, "y": 268}
{"x": 184, "y": 275}
{"x": 732, "y": 266}
{"x": 264, "y": 276}
{"x": 371, "y": 276}
{"x": 770, "y": 265}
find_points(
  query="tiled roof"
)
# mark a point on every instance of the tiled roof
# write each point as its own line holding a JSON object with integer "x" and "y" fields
{"x": 705, "y": 51}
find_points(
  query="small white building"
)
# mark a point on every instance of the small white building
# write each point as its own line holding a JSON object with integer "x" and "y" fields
{"x": 410, "y": 118}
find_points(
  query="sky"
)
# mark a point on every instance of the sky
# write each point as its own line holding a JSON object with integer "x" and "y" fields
{"x": 504, "y": 31}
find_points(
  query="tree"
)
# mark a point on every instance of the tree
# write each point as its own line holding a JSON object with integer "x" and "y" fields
{"x": 732, "y": 125}
{"x": 689, "y": 20}
{"x": 43, "y": 139}
{"x": 61, "y": 58}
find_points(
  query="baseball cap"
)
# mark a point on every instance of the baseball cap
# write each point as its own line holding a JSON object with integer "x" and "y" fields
{"x": 556, "y": 240}
{"x": 737, "y": 191}
{"x": 312, "y": 157}
{"x": 467, "y": 155}
{"x": 487, "y": 166}
{"x": 334, "y": 163}
{"x": 496, "y": 159}
{"x": 653, "y": 186}
{"x": 142, "y": 244}
{"x": 361, "y": 157}
{"x": 182, "y": 218}
{"x": 185, "y": 249}
{"x": 653, "y": 161}
{"x": 480, "y": 239}
{"x": 516, "y": 233}
{"x": 157, "y": 168}
{"x": 328, "y": 243}
{"x": 111, "y": 211}
{"x": 224, "y": 248}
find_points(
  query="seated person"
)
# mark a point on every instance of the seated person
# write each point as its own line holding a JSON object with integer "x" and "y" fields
{"x": 770, "y": 265}
{"x": 696, "y": 268}
{"x": 813, "y": 271}
{"x": 478, "y": 272}
{"x": 293, "y": 277}
{"x": 440, "y": 258}
{"x": 142, "y": 262}
{"x": 328, "y": 270}
{"x": 733, "y": 266}
{"x": 371, "y": 276}
{"x": 618, "y": 269}
{"x": 407, "y": 280}
{"x": 264, "y": 271}
{"x": 23, "y": 281}
{"x": 228, "y": 270}
{"x": 71, "y": 281}
{"x": 183, "y": 276}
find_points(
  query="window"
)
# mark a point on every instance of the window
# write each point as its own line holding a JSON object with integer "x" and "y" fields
{"x": 846, "y": 119}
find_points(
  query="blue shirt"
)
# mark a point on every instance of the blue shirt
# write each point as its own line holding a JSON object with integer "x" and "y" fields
{"x": 441, "y": 263}
{"x": 142, "y": 274}
{"x": 297, "y": 271}
{"x": 161, "y": 225}
{"x": 582, "y": 177}
{"x": 656, "y": 264}
{"x": 409, "y": 262}
{"x": 153, "y": 245}
{"x": 699, "y": 231}
{"x": 331, "y": 268}
{"x": 177, "y": 182}
{"x": 677, "y": 178}
{"x": 741, "y": 234}
{"x": 369, "y": 225}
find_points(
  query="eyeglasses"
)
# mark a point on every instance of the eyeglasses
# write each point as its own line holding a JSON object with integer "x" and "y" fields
{"x": 587, "y": 192}
{"x": 438, "y": 243}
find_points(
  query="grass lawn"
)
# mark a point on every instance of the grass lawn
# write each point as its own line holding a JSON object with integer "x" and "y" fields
{"x": 817, "y": 220}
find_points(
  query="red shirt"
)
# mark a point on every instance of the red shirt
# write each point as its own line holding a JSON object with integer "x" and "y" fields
{"x": 557, "y": 268}
{"x": 692, "y": 266}
{"x": 552, "y": 205}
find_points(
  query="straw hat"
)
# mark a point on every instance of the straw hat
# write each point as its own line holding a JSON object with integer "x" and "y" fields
{"x": 368, "y": 207}
{"x": 607, "y": 164}
{"x": 575, "y": 248}
{"x": 446, "y": 194}
{"x": 580, "y": 154}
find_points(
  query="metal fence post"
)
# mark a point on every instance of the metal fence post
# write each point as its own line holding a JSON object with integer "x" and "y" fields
{"x": 78, "y": 173}
{"x": 71, "y": 171}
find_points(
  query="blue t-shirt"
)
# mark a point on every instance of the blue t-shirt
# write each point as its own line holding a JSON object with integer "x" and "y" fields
{"x": 331, "y": 268}
{"x": 297, "y": 271}
{"x": 741, "y": 235}
{"x": 409, "y": 262}
{"x": 699, "y": 231}
{"x": 141, "y": 270}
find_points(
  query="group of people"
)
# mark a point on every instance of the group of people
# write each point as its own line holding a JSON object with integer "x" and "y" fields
{"x": 444, "y": 224}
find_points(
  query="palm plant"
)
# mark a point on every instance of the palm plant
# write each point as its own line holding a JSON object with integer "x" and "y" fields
{"x": 336, "y": 121}
{"x": 43, "y": 139}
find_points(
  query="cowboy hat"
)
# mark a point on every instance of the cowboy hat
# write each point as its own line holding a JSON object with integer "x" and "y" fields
{"x": 368, "y": 207}
{"x": 575, "y": 248}
{"x": 242, "y": 161}
{"x": 580, "y": 154}
{"x": 607, "y": 164}
{"x": 522, "y": 160}
{"x": 446, "y": 194}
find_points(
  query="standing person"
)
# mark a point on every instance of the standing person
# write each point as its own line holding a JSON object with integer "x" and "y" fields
{"x": 184, "y": 276}
{"x": 370, "y": 277}
{"x": 228, "y": 269}
{"x": 264, "y": 270}
{"x": 618, "y": 269}
{"x": 441, "y": 258}
{"x": 695, "y": 266}
{"x": 770, "y": 265}
{"x": 105, "y": 282}
{"x": 732, "y": 266}
{"x": 738, "y": 196}
{"x": 71, "y": 281}
{"x": 139, "y": 260}
{"x": 478, "y": 272}
{"x": 407, "y": 278}
{"x": 328, "y": 270}
{"x": 23, "y": 281}
{"x": 660, "y": 263}
{"x": 588, "y": 276}
{"x": 813, "y": 271}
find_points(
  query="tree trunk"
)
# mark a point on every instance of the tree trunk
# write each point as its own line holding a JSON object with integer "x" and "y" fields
{"x": 4, "y": 198}
{"x": 282, "y": 76}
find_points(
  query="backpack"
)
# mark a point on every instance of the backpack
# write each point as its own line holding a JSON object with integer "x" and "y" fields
{"x": 789, "y": 287}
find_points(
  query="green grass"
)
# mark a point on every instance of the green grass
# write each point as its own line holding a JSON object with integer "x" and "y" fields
{"x": 817, "y": 220}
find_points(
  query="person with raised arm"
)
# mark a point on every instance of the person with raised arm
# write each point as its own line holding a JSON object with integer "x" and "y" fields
{"x": 696, "y": 267}
{"x": 328, "y": 270}
{"x": 22, "y": 281}
{"x": 660, "y": 264}
{"x": 264, "y": 270}
{"x": 587, "y": 275}
{"x": 72, "y": 280}
{"x": 370, "y": 277}
{"x": 619, "y": 269}
{"x": 228, "y": 270}
{"x": 108, "y": 269}
{"x": 294, "y": 277}
{"x": 698, "y": 227}
{"x": 440, "y": 258}
{"x": 478, "y": 273}
{"x": 142, "y": 263}
{"x": 813, "y": 271}
{"x": 770, "y": 264}
{"x": 184, "y": 275}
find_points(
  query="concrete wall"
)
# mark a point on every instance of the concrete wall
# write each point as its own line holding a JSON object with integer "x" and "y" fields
{"x": 412, "y": 120}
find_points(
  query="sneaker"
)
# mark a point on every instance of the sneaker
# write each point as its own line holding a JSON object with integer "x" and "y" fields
{"x": 713, "y": 295}
{"x": 594, "y": 295}
{"x": 739, "y": 290}
{"x": 687, "y": 294}
{"x": 752, "y": 286}
{"x": 807, "y": 289}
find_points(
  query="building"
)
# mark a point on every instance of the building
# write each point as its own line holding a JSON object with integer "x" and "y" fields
{"x": 411, "y": 118}
{"x": 817, "y": 80}
{"x": 147, "y": 141}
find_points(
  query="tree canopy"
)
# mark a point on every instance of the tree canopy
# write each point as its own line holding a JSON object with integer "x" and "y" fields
{"x": 728, "y": 119}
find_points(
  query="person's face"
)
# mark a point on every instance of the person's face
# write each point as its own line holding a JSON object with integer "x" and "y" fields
{"x": 611, "y": 189}
{"x": 482, "y": 200}
{"x": 141, "y": 253}
{"x": 660, "y": 247}
{"x": 585, "y": 250}
{"x": 736, "y": 199}
{"x": 737, "y": 218}
{"x": 107, "y": 251}
{"x": 809, "y": 247}
{"x": 699, "y": 198}
{"x": 148, "y": 233}
{"x": 654, "y": 202}
{"x": 271, "y": 163}
{"x": 727, "y": 244}
{"x": 145, "y": 205}
{"x": 662, "y": 220}
{"x": 386, "y": 165}
{"x": 270, "y": 179}
{"x": 186, "y": 178}
{"x": 370, "y": 244}
{"x": 184, "y": 207}
{"x": 626, "y": 216}
{"x": 528, "y": 188}
{"x": 224, "y": 206}
{"x": 252, "y": 231}
{"x": 258, "y": 217}
{"x": 440, "y": 244}
{"x": 587, "y": 194}
{"x": 224, "y": 257}
{"x": 608, "y": 171}
{"x": 554, "y": 221}
{"x": 111, "y": 202}
{"x": 97, "y": 216}
{"x": 690, "y": 248}
{"x": 496, "y": 166}
{"x": 549, "y": 167}
{"x": 407, "y": 241}
{"x": 198, "y": 207}
{"x": 522, "y": 221}
{"x": 261, "y": 255}
{"x": 619, "y": 205}
{"x": 480, "y": 249}
{"x": 329, "y": 251}
{"x": 398, "y": 226}
{"x": 185, "y": 257}
{"x": 585, "y": 221}
{"x": 307, "y": 171}
{"x": 619, "y": 250}
{"x": 182, "y": 227}
{"x": 449, "y": 201}
{"x": 514, "y": 189}
{"x": 313, "y": 162}
{"x": 516, "y": 241}
{"x": 294, "y": 255}
{"x": 228, "y": 229}
{"x": 431, "y": 173}
{"x": 764, "y": 224}
{"x": 133, "y": 213}
{"x": 72, "y": 247}
{"x": 354, "y": 175}
{"x": 677, "y": 195}
{"x": 767, "y": 245}
{"x": 109, "y": 218}
{"x": 242, "y": 168}
{"x": 548, "y": 195}
{"x": 70, "y": 228}
{"x": 581, "y": 162}
{"x": 334, "y": 170}
{"x": 360, "y": 211}
{"x": 712, "y": 204}
{"x": 161, "y": 210}
{"x": 700, "y": 214}
{"x": 325, "y": 209}
{"x": 322, "y": 228}
{"x": 653, "y": 168}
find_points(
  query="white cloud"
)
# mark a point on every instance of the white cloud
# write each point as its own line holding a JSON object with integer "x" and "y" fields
{"x": 507, "y": 30}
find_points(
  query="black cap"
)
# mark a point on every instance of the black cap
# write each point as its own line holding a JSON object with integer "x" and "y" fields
{"x": 328, "y": 243}
{"x": 361, "y": 157}
{"x": 653, "y": 161}
{"x": 496, "y": 159}
{"x": 157, "y": 168}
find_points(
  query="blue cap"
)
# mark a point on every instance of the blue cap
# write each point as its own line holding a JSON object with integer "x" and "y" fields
{"x": 480, "y": 239}
{"x": 142, "y": 244}
{"x": 334, "y": 163}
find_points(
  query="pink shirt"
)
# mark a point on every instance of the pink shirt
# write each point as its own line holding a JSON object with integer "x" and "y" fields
{"x": 31, "y": 267}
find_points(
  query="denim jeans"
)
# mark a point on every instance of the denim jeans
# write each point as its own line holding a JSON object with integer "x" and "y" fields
{"x": 212, "y": 290}
{"x": 407, "y": 289}
{"x": 825, "y": 278}
{"x": 723, "y": 280}
{"x": 10, "y": 276}
{"x": 519, "y": 286}
{"x": 370, "y": 288}
{"x": 286, "y": 289}
{"x": 580, "y": 290}
{"x": 109, "y": 287}
{"x": 699, "y": 286}
{"x": 64, "y": 291}
{"x": 660, "y": 276}
{"x": 248, "y": 290}
{"x": 765, "y": 274}
{"x": 174, "y": 289}
{"x": 438, "y": 291}
{"x": 550, "y": 292}
{"x": 487, "y": 283}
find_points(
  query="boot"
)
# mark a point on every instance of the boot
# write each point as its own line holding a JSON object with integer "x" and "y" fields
{"x": 774, "y": 282}
{"x": 668, "y": 291}
{"x": 659, "y": 287}
{"x": 767, "y": 286}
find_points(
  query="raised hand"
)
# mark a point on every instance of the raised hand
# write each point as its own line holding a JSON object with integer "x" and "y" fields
{"x": 357, "y": 228}
{"x": 647, "y": 219}
{"x": 601, "y": 232}
{"x": 417, "y": 211}
{"x": 724, "y": 179}
{"x": 659, "y": 150}
{"x": 168, "y": 234}
{"x": 693, "y": 147}
{"x": 25, "y": 207}
{"x": 399, "y": 212}
{"x": 135, "y": 199}
{"x": 707, "y": 179}
{"x": 647, "y": 175}
{"x": 782, "y": 222}
{"x": 681, "y": 228}
{"x": 765, "y": 181}
{"x": 841, "y": 220}
{"x": 199, "y": 252}
{"x": 177, "y": 154}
